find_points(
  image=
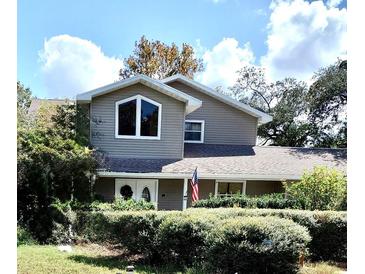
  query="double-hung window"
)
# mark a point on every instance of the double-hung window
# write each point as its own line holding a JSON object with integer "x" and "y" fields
{"x": 138, "y": 117}
{"x": 194, "y": 131}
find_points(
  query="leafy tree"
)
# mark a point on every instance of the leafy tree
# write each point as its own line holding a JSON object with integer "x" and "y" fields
{"x": 72, "y": 121}
{"x": 52, "y": 165}
{"x": 321, "y": 189}
{"x": 24, "y": 99}
{"x": 327, "y": 98}
{"x": 284, "y": 100}
{"x": 158, "y": 60}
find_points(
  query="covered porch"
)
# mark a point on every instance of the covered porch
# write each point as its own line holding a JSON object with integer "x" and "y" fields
{"x": 175, "y": 193}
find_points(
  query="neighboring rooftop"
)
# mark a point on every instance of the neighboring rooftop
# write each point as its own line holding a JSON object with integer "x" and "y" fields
{"x": 247, "y": 162}
{"x": 36, "y": 104}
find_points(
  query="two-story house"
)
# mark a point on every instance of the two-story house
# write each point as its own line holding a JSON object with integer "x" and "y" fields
{"x": 154, "y": 133}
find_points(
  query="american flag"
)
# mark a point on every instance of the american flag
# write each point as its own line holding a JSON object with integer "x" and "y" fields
{"x": 194, "y": 185}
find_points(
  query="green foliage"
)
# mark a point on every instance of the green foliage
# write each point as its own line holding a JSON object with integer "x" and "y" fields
{"x": 24, "y": 237}
{"x": 51, "y": 165}
{"x": 327, "y": 98}
{"x": 321, "y": 189}
{"x": 284, "y": 100}
{"x": 275, "y": 200}
{"x": 158, "y": 60}
{"x": 71, "y": 121}
{"x": 324, "y": 245}
{"x": 121, "y": 204}
{"x": 290, "y": 100}
{"x": 256, "y": 245}
{"x": 137, "y": 231}
{"x": 182, "y": 238}
{"x": 24, "y": 99}
{"x": 168, "y": 237}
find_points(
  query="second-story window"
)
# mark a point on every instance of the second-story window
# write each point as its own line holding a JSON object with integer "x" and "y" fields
{"x": 194, "y": 131}
{"x": 137, "y": 117}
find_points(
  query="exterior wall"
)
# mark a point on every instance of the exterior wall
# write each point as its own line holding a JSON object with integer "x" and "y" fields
{"x": 170, "y": 194}
{"x": 223, "y": 124}
{"x": 105, "y": 187}
{"x": 263, "y": 187}
{"x": 170, "y": 145}
{"x": 206, "y": 187}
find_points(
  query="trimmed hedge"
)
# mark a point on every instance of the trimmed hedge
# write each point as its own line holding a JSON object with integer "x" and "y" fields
{"x": 275, "y": 201}
{"x": 184, "y": 237}
{"x": 256, "y": 245}
{"x": 328, "y": 229}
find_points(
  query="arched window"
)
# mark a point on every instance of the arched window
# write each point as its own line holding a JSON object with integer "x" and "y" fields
{"x": 137, "y": 117}
{"x": 126, "y": 192}
{"x": 146, "y": 195}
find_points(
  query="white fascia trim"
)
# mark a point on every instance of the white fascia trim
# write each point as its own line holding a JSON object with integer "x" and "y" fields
{"x": 263, "y": 117}
{"x": 191, "y": 102}
{"x": 167, "y": 175}
{"x": 202, "y": 122}
{"x": 138, "y": 118}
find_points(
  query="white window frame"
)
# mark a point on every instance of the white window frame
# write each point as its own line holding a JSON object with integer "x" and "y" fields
{"x": 202, "y": 122}
{"x": 243, "y": 182}
{"x": 138, "y": 99}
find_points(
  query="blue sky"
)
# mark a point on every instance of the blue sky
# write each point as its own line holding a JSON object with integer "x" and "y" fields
{"x": 66, "y": 47}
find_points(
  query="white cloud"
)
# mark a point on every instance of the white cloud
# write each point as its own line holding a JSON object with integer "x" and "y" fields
{"x": 71, "y": 65}
{"x": 303, "y": 37}
{"x": 223, "y": 61}
{"x": 333, "y": 3}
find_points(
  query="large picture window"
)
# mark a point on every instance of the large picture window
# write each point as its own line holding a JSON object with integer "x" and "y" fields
{"x": 194, "y": 131}
{"x": 138, "y": 117}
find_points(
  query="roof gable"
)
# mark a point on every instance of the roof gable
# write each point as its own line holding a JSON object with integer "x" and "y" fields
{"x": 191, "y": 102}
{"x": 262, "y": 116}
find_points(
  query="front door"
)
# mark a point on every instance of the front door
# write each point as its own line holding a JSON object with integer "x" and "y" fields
{"x": 137, "y": 189}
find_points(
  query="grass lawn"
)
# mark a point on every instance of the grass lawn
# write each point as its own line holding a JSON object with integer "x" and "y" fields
{"x": 83, "y": 259}
{"x": 97, "y": 259}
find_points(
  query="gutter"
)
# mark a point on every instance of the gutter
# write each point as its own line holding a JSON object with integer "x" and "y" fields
{"x": 169, "y": 175}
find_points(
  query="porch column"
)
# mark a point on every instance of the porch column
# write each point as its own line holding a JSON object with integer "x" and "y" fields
{"x": 185, "y": 194}
{"x": 215, "y": 188}
{"x": 244, "y": 187}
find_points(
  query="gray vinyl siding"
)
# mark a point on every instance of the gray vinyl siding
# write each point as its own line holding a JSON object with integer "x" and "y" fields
{"x": 169, "y": 146}
{"x": 224, "y": 124}
{"x": 170, "y": 194}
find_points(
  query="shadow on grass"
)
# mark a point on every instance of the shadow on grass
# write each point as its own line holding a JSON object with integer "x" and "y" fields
{"x": 121, "y": 263}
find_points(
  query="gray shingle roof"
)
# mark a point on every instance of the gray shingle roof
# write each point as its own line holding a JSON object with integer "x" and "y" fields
{"x": 278, "y": 162}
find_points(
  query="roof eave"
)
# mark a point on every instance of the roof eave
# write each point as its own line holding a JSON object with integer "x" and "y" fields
{"x": 263, "y": 118}
{"x": 191, "y": 102}
{"x": 169, "y": 175}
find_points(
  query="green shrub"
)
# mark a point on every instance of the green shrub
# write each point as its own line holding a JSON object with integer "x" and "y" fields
{"x": 275, "y": 200}
{"x": 24, "y": 237}
{"x": 256, "y": 245}
{"x": 182, "y": 238}
{"x": 135, "y": 230}
{"x": 328, "y": 229}
{"x": 121, "y": 204}
{"x": 321, "y": 189}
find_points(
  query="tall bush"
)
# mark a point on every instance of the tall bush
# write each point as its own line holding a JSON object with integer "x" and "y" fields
{"x": 256, "y": 245}
{"x": 321, "y": 189}
{"x": 52, "y": 165}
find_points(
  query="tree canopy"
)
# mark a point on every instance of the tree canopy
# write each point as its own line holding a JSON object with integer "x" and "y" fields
{"x": 158, "y": 60}
{"x": 284, "y": 100}
{"x": 302, "y": 116}
{"x": 52, "y": 164}
{"x": 327, "y": 98}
